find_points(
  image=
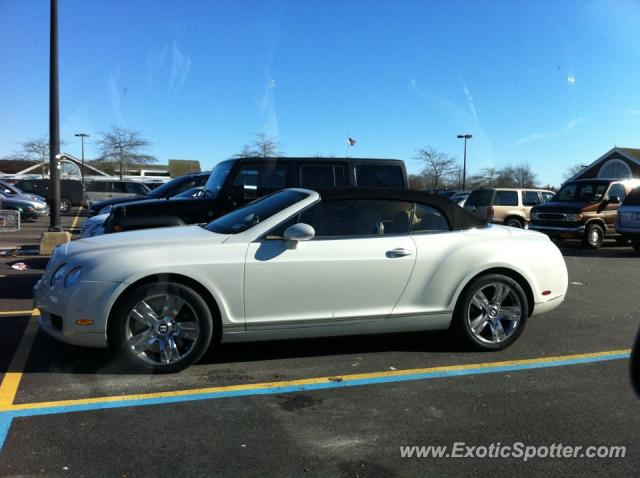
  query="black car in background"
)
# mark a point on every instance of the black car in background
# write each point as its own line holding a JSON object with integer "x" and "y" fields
{"x": 235, "y": 182}
{"x": 171, "y": 188}
{"x": 71, "y": 191}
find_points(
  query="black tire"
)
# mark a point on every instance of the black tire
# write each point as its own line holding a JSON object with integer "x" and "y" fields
{"x": 635, "y": 243}
{"x": 461, "y": 326}
{"x": 514, "y": 222}
{"x": 198, "y": 310}
{"x": 65, "y": 205}
{"x": 593, "y": 236}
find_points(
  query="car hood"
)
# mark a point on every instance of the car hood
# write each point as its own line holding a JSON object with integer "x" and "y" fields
{"x": 13, "y": 201}
{"x": 169, "y": 237}
{"x": 141, "y": 204}
{"x": 31, "y": 198}
{"x": 567, "y": 207}
{"x": 96, "y": 206}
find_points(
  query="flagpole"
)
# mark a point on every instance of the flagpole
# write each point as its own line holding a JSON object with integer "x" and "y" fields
{"x": 348, "y": 146}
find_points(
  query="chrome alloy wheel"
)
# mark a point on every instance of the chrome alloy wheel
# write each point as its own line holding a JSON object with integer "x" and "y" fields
{"x": 494, "y": 313}
{"x": 162, "y": 329}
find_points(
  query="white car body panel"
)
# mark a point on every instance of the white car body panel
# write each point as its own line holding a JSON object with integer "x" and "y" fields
{"x": 264, "y": 289}
{"x": 325, "y": 279}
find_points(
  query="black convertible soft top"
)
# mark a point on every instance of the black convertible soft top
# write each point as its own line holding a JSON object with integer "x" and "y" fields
{"x": 458, "y": 218}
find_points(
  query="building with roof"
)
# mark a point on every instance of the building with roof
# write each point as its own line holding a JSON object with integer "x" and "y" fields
{"x": 617, "y": 163}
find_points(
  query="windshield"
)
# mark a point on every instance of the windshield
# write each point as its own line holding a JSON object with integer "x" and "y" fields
{"x": 217, "y": 178}
{"x": 255, "y": 212}
{"x": 592, "y": 191}
{"x": 161, "y": 191}
{"x": 7, "y": 188}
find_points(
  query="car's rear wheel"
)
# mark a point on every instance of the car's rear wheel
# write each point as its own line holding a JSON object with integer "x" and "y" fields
{"x": 161, "y": 327}
{"x": 491, "y": 312}
{"x": 593, "y": 236}
{"x": 65, "y": 205}
{"x": 635, "y": 243}
{"x": 514, "y": 222}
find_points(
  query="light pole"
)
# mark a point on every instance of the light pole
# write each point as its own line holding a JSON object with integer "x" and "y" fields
{"x": 464, "y": 164}
{"x": 54, "y": 125}
{"x": 82, "y": 136}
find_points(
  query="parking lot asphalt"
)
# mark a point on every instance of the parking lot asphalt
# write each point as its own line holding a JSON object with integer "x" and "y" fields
{"x": 333, "y": 406}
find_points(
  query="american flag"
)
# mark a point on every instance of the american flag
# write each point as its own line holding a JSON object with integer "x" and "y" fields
{"x": 351, "y": 141}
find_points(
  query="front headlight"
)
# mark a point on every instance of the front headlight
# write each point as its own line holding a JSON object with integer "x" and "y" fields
{"x": 73, "y": 277}
{"x": 58, "y": 275}
{"x": 534, "y": 215}
{"x": 105, "y": 210}
{"x": 573, "y": 217}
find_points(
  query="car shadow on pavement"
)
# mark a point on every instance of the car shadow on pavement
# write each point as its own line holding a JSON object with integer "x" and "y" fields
{"x": 51, "y": 356}
{"x": 608, "y": 250}
{"x": 433, "y": 341}
{"x": 18, "y": 286}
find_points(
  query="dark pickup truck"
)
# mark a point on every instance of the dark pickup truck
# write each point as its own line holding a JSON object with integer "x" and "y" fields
{"x": 238, "y": 181}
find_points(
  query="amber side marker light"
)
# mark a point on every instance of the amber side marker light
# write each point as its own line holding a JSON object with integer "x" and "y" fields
{"x": 546, "y": 292}
{"x": 84, "y": 322}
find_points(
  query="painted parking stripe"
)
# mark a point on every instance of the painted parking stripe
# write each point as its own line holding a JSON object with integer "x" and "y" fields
{"x": 13, "y": 375}
{"x": 90, "y": 404}
{"x": 75, "y": 220}
{"x": 17, "y": 313}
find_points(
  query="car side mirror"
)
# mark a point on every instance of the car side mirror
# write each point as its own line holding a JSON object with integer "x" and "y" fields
{"x": 298, "y": 232}
{"x": 614, "y": 200}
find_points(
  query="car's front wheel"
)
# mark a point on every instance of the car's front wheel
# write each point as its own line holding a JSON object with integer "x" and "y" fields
{"x": 593, "y": 236}
{"x": 161, "y": 327}
{"x": 491, "y": 312}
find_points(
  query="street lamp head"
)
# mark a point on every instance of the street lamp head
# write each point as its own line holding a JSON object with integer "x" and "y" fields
{"x": 465, "y": 136}
{"x": 82, "y": 135}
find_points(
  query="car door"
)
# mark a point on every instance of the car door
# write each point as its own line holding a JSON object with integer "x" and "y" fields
{"x": 611, "y": 209}
{"x": 356, "y": 267}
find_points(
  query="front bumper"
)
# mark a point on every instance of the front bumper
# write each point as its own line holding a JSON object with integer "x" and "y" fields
{"x": 42, "y": 212}
{"x": 544, "y": 307}
{"x": 61, "y": 307}
{"x": 566, "y": 232}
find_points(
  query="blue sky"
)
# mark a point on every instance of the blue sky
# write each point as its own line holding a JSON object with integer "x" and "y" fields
{"x": 550, "y": 83}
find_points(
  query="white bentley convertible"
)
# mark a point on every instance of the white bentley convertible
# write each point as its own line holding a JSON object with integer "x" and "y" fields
{"x": 299, "y": 263}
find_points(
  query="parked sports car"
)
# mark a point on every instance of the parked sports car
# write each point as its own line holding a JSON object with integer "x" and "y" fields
{"x": 298, "y": 263}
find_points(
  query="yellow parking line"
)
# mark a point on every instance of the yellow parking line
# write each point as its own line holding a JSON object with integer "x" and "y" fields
{"x": 11, "y": 379}
{"x": 75, "y": 219}
{"x": 19, "y": 312}
{"x": 308, "y": 381}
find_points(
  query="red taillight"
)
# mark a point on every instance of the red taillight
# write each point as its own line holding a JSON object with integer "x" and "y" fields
{"x": 546, "y": 292}
{"x": 490, "y": 211}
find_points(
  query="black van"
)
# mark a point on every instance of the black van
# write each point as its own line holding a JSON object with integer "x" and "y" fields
{"x": 71, "y": 191}
{"x": 238, "y": 181}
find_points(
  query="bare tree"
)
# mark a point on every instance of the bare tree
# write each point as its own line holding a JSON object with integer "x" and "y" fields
{"x": 246, "y": 152}
{"x": 573, "y": 170}
{"x": 438, "y": 166}
{"x": 124, "y": 146}
{"x": 266, "y": 146}
{"x": 35, "y": 150}
{"x": 524, "y": 175}
{"x": 417, "y": 181}
{"x": 487, "y": 177}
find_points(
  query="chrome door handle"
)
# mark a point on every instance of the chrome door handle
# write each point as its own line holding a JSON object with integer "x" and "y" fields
{"x": 398, "y": 253}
